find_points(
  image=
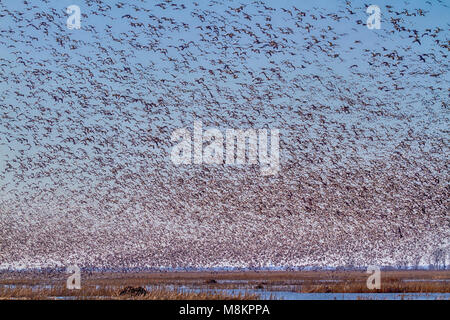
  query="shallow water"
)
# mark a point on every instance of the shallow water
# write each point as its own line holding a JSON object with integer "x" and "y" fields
{"x": 279, "y": 294}
{"x": 286, "y": 295}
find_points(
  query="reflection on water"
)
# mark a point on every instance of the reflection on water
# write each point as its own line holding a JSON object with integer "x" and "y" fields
{"x": 280, "y": 294}
{"x": 287, "y": 295}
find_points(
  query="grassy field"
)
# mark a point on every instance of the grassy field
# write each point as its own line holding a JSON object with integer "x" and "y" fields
{"x": 198, "y": 285}
{"x": 108, "y": 293}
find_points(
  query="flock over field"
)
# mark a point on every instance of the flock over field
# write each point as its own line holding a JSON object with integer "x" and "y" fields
{"x": 87, "y": 117}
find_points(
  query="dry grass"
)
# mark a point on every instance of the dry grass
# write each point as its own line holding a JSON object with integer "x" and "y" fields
{"x": 163, "y": 284}
{"x": 110, "y": 293}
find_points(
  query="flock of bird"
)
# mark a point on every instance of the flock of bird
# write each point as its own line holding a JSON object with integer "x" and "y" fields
{"x": 87, "y": 117}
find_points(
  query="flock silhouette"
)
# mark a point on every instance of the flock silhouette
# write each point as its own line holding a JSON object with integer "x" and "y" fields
{"x": 87, "y": 116}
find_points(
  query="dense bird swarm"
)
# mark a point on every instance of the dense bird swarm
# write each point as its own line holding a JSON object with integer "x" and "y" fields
{"x": 87, "y": 116}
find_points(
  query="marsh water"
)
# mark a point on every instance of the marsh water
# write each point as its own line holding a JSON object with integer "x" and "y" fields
{"x": 283, "y": 293}
{"x": 286, "y": 291}
{"x": 287, "y": 295}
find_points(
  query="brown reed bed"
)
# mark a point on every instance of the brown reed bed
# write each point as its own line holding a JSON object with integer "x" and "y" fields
{"x": 28, "y": 278}
{"x": 387, "y": 286}
{"x": 111, "y": 293}
{"x": 163, "y": 285}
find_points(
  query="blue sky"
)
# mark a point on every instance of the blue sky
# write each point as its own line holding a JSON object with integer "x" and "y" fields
{"x": 154, "y": 66}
